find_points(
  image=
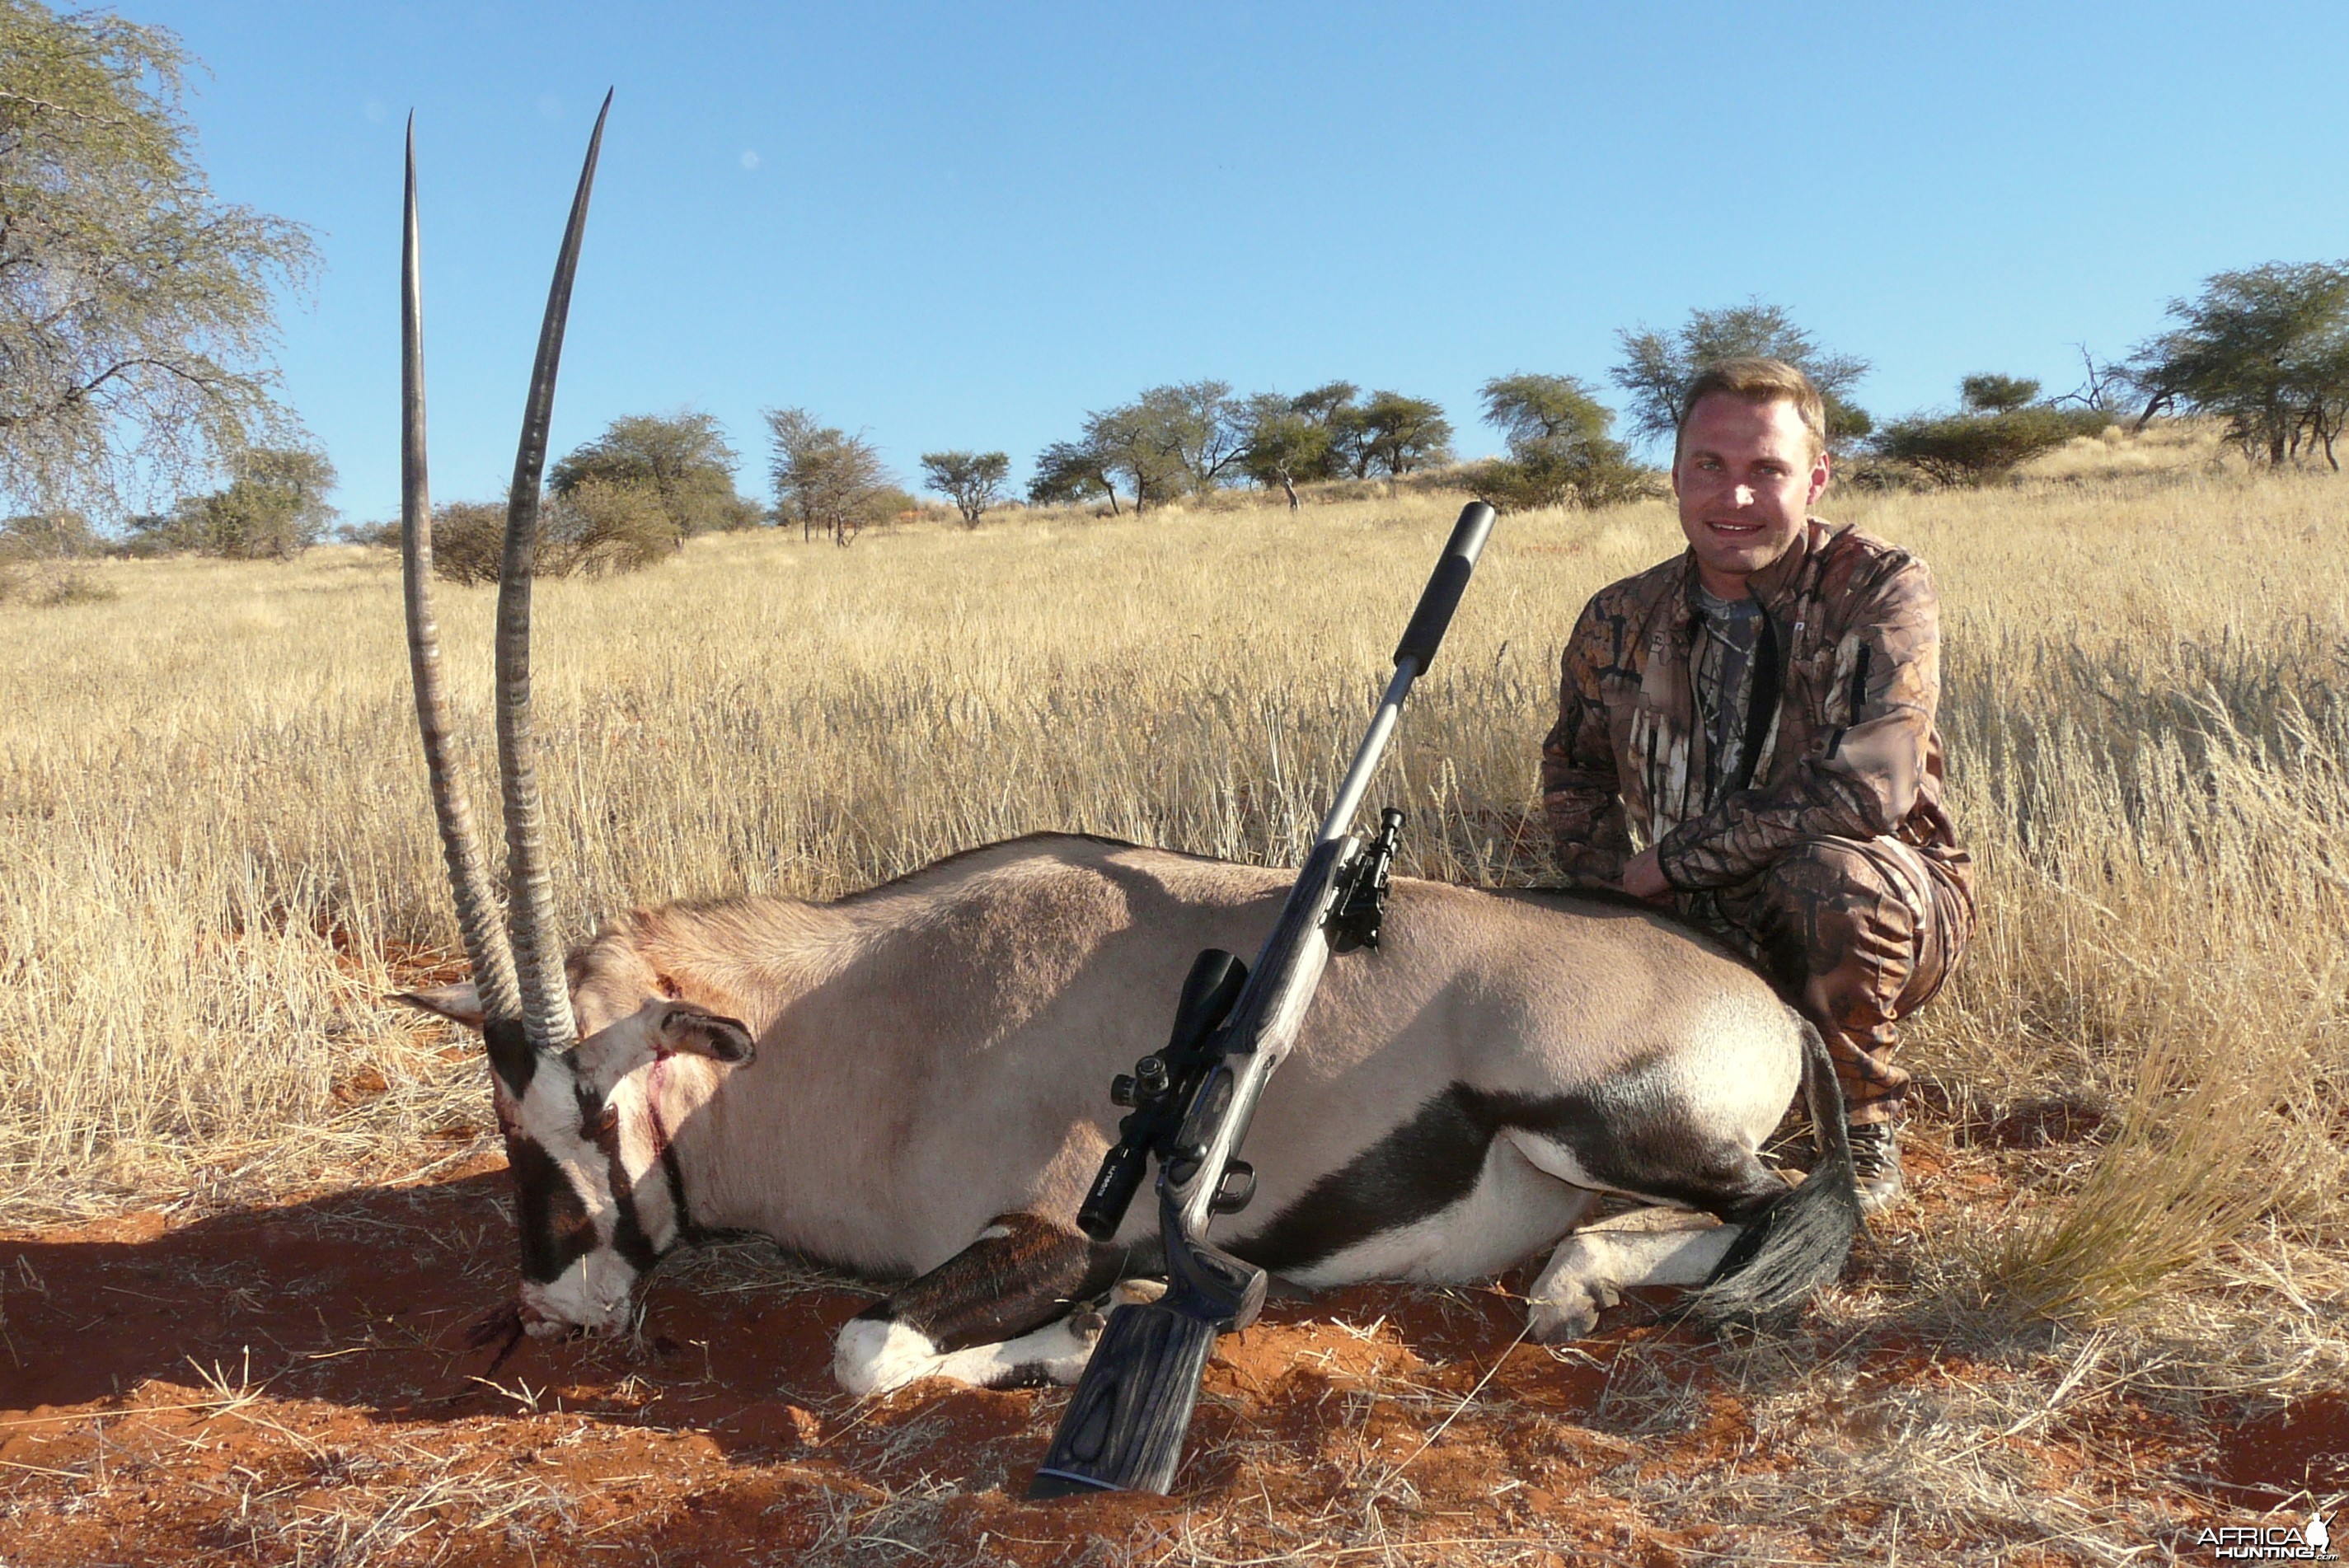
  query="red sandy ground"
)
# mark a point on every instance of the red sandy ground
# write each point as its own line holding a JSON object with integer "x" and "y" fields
{"x": 720, "y": 1437}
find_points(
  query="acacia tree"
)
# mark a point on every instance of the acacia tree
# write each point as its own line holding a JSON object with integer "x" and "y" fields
{"x": 598, "y": 528}
{"x": 34, "y": 552}
{"x": 1071, "y": 473}
{"x": 273, "y": 508}
{"x": 2266, "y": 349}
{"x": 1392, "y": 434}
{"x": 681, "y": 460}
{"x": 1284, "y": 445}
{"x": 48, "y": 536}
{"x": 1323, "y": 404}
{"x": 602, "y": 526}
{"x": 1198, "y": 425}
{"x": 827, "y": 478}
{"x": 469, "y": 543}
{"x": 1135, "y": 445}
{"x": 136, "y": 315}
{"x": 972, "y": 481}
{"x": 1289, "y": 441}
{"x": 1559, "y": 448}
{"x": 1992, "y": 393}
{"x": 1658, "y": 366}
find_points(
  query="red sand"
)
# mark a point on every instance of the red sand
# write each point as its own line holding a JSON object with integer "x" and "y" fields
{"x": 720, "y": 1438}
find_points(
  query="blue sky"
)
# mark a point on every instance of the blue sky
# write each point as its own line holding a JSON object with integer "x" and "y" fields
{"x": 964, "y": 226}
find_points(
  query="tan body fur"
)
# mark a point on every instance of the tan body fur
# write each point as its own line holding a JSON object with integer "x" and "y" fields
{"x": 937, "y": 1052}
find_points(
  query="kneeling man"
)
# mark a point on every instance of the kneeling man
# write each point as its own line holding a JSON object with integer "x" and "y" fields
{"x": 1746, "y": 731}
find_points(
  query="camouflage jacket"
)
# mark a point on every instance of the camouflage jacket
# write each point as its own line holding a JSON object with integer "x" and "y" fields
{"x": 1840, "y": 732}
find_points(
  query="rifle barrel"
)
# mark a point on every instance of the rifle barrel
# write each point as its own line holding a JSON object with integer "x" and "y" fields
{"x": 1357, "y": 782}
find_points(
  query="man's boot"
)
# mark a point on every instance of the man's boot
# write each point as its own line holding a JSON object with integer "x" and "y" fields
{"x": 1876, "y": 1165}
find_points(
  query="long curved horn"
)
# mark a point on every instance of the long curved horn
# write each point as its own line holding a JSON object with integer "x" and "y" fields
{"x": 538, "y": 954}
{"x": 478, "y": 917}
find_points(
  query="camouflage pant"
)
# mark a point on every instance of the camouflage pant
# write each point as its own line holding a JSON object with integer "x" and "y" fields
{"x": 1857, "y": 933}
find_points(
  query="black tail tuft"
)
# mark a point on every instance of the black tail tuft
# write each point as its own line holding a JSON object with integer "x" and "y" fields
{"x": 1800, "y": 1241}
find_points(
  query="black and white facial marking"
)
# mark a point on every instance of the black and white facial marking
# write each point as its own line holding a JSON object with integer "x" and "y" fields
{"x": 997, "y": 1314}
{"x": 583, "y": 1247}
{"x": 612, "y": 1144}
{"x": 597, "y": 1191}
{"x": 1428, "y": 1174}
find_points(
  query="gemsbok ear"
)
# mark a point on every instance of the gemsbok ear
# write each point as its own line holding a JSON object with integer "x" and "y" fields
{"x": 694, "y": 1031}
{"x": 458, "y": 1003}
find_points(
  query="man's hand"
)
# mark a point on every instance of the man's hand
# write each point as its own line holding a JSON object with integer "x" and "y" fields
{"x": 1643, "y": 878}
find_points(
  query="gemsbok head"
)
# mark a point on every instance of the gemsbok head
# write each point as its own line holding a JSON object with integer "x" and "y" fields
{"x": 576, "y": 1058}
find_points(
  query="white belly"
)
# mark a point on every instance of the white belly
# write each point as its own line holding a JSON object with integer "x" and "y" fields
{"x": 1513, "y": 1211}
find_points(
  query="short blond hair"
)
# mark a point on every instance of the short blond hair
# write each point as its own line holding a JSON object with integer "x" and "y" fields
{"x": 1757, "y": 381}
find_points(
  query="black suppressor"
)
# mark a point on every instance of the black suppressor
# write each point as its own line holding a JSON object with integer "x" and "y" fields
{"x": 1444, "y": 587}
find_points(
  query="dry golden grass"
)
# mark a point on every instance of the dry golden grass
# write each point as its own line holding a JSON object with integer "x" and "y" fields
{"x": 217, "y": 850}
{"x": 215, "y": 858}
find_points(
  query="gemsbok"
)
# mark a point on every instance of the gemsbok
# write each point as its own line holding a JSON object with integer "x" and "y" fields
{"x": 909, "y": 1082}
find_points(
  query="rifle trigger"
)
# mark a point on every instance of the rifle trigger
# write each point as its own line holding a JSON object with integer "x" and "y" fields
{"x": 1236, "y": 1191}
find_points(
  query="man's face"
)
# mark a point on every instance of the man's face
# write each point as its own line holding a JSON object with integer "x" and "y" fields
{"x": 1745, "y": 478}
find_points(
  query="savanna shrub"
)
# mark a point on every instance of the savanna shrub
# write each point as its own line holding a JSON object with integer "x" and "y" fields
{"x": 1583, "y": 478}
{"x": 1977, "y": 449}
{"x": 598, "y": 528}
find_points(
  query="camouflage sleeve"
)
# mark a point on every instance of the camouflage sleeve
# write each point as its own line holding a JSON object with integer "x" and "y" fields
{"x": 1581, "y": 797}
{"x": 1862, "y": 776}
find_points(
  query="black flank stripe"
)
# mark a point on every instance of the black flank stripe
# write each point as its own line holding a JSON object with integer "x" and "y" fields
{"x": 1617, "y": 1133}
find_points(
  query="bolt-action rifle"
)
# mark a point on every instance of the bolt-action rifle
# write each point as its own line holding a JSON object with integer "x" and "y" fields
{"x": 1192, "y": 1102}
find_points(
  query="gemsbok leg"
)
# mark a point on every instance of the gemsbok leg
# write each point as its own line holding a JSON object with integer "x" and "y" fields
{"x": 1593, "y": 1267}
{"x": 1731, "y": 1228}
{"x": 997, "y": 1314}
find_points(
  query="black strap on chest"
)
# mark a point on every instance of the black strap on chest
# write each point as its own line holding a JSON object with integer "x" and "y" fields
{"x": 1769, "y": 681}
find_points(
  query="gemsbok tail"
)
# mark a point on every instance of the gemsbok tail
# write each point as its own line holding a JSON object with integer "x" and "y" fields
{"x": 1800, "y": 1241}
